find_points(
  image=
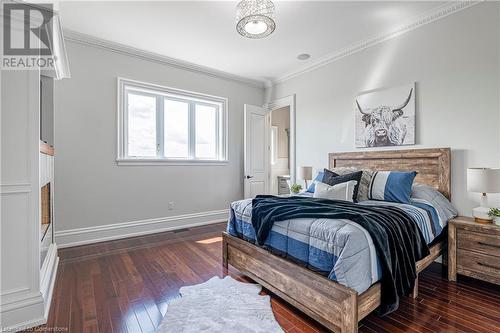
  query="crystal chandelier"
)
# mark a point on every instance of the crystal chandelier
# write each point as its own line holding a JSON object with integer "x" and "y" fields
{"x": 255, "y": 18}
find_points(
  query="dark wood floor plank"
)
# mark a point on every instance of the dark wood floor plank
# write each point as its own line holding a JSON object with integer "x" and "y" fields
{"x": 366, "y": 329}
{"x": 415, "y": 313}
{"x": 143, "y": 318}
{"x": 118, "y": 323}
{"x": 461, "y": 302}
{"x": 472, "y": 321}
{"x": 101, "y": 307}
{"x": 376, "y": 325}
{"x": 125, "y": 286}
{"x": 418, "y": 324}
{"x": 63, "y": 305}
{"x": 125, "y": 306}
{"x": 56, "y": 295}
{"x": 411, "y": 306}
{"x": 153, "y": 312}
{"x": 88, "y": 297}
{"x": 283, "y": 321}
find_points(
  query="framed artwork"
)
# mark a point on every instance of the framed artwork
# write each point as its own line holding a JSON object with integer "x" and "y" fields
{"x": 385, "y": 117}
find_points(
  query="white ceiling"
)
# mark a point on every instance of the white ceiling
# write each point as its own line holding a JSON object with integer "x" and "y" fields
{"x": 204, "y": 33}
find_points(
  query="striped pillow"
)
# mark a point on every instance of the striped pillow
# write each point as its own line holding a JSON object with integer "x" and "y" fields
{"x": 392, "y": 186}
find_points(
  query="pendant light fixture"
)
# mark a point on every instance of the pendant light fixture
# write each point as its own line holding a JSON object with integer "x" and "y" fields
{"x": 255, "y": 18}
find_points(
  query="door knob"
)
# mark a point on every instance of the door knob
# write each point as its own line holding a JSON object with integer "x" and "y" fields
{"x": 248, "y": 177}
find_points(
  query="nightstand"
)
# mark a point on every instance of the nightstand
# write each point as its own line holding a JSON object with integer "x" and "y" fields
{"x": 473, "y": 250}
{"x": 283, "y": 187}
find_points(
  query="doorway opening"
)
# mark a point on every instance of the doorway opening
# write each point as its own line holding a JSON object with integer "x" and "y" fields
{"x": 281, "y": 131}
{"x": 279, "y": 147}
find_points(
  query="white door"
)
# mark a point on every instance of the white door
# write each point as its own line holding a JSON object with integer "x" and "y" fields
{"x": 256, "y": 151}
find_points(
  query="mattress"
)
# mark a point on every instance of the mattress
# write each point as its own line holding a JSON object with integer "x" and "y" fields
{"x": 339, "y": 249}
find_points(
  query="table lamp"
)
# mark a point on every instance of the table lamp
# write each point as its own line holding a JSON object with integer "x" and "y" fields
{"x": 305, "y": 173}
{"x": 483, "y": 180}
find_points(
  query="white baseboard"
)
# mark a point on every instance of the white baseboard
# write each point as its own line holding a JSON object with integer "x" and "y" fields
{"x": 48, "y": 274}
{"x": 82, "y": 236}
{"x": 24, "y": 312}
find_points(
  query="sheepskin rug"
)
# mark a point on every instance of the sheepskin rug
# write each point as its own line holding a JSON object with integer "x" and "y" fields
{"x": 220, "y": 305}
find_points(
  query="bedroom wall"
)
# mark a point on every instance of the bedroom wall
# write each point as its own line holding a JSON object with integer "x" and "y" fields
{"x": 93, "y": 192}
{"x": 455, "y": 64}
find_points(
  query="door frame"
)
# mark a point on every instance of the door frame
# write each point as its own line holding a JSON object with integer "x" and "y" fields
{"x": 271, "y": 106}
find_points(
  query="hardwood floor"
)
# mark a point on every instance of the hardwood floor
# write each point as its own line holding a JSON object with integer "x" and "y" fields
{"x": 125, "y": 285}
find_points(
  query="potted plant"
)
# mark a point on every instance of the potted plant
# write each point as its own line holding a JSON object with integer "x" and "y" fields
{"x": 494, "y": 213}
{"x": 295, "y": 188}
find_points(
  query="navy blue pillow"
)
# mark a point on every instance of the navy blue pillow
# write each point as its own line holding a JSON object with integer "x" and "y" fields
{"x": 331, "y": 178}
{"x": 394, "y": 186}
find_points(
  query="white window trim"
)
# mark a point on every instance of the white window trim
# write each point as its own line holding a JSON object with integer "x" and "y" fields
{"x": 123, "y": 159}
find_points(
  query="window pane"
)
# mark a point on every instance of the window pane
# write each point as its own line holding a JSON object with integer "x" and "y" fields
{"x": 141, "y": 125}
{"x": 176, "y": 117}
{"x": 206, "y": 131}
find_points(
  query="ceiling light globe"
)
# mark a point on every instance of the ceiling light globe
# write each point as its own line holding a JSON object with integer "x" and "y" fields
{"x": 256, "y": 27}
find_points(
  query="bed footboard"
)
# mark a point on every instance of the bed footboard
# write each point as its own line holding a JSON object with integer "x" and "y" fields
{"x": 330, "y": 303}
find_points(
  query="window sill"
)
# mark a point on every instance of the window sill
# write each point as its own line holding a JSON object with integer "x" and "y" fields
{"x": 145, "y": 161}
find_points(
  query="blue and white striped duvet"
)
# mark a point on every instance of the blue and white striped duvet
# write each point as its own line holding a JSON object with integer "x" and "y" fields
{"x": 339, "y": 249}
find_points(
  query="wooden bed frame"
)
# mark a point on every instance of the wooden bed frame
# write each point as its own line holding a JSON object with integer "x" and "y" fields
{"x": 337, "y": 307}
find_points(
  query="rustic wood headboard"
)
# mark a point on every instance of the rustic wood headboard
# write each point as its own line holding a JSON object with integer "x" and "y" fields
{"x": 433, "y": 165}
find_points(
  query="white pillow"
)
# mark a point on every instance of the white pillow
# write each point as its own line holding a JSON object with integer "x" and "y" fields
{"x": 342, "y": 191}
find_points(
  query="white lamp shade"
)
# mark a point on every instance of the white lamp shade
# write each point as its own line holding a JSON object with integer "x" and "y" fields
{"x": 483, "y": 180}
{"x": 305, "y": 173}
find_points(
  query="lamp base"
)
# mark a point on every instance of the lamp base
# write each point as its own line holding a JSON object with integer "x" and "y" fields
{"x": 481, "y": 215}
{"x": 482, "y": 221}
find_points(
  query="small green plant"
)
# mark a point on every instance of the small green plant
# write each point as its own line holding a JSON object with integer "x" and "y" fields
{"x": 494, "y": 212}
{"x": 295, "y": 188}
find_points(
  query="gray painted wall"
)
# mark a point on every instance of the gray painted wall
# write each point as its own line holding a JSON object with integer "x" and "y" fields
{"x": 455, "y": 62}
{"x": 90, "y": 189}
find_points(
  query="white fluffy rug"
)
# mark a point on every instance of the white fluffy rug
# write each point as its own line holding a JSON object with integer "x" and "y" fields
{"x": 220, "y": 305}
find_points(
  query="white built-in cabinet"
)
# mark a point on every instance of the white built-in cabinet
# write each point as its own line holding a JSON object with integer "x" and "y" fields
{"x": 28, "y": 265}
{"x": 48, "y": 248}
{"x": 22, "y": 303}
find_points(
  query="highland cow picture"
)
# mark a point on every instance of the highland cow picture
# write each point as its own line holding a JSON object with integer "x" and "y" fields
{"x": 385, "y": 117}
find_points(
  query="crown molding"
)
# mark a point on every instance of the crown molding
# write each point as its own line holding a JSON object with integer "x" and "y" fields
{"x": 417, "y": 22}
{"x": 84, "y": 39}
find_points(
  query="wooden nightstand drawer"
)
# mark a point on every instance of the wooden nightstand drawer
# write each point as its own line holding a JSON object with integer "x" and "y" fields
{"x": 473, "y": 249}
{"x": 478, "y": 242}
{"x": 478, "y": 265}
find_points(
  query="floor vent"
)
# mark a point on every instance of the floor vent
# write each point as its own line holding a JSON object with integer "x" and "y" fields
{"x": 181, "y": 230}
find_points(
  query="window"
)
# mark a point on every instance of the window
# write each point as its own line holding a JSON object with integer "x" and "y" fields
{"x": 158, "y": 124}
